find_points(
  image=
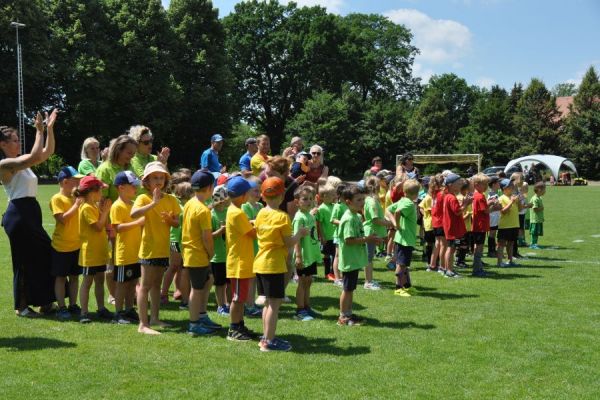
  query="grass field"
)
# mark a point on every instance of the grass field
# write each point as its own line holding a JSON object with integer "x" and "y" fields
{"x": 525, "y": 332}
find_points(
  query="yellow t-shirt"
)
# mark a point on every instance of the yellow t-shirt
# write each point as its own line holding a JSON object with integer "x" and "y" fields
{"x": 271, "y": 227}
{"x": 256, "y": 163}
{"x": 388, "y": 200}
{"x": 127, "y": 244}
{"x": 94, "y": 244}
{"x": 467, "y": 212}
{"x": 66, "y": 236}
{"x": 196, "y": 219}
{"x": 240, "y": 256}
{"x": 425, "y": 206}
{"x": 155, "y": 235}
{"x": 511, "y": 218}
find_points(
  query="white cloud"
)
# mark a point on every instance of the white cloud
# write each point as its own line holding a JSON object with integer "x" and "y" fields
{"x": 485, "y": 82}
{"x": 422, "y": 72}
{"x": 581, "y": 72}
{"x": 333, "y": 6}
{"x": 440, "y": 41}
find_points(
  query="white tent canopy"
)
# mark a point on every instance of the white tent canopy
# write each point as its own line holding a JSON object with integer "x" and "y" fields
{"x": 553, "y": 163}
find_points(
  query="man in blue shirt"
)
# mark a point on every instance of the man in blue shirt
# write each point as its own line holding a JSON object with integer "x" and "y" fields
{"x": 251, "y": 149}
{"x": 210, "y": 157}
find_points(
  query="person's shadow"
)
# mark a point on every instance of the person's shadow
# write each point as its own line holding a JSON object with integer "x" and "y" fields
{"x": 24, "y": 343}
{"x": 311, "y": 345}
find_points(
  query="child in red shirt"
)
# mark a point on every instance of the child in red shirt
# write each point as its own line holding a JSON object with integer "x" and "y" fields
{"x": 453, "y": 222}
{"x": 437, "y": 214}
{"x": 481, "y": 220}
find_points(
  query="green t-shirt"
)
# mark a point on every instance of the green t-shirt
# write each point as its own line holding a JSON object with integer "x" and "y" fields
{"x": 175, "y": 235}
{"x": 107, "y": 172}
{"x": 139, "y": 161}
{"x": 251, "y": 212}
{"x": 324, "y": 218}
{"x": 86, "y": 167}
{"x": 311, "y": 250}
{"x": 218, "y": 219}
{"x": 338, "y": 211}
{"x": 352, "y": 256}
{"x": 536, "y": 217}
{"x": 373, "y": 210}
{"x": 406, "y": 235}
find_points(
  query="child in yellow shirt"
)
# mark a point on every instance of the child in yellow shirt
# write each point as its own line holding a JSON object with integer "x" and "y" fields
{"x": 274, "y": 232}
{"x": 65, "y": 242}
{"x": 197, "y": 248}
{"x": 161, "y": 212}
{"x": 93, "y": 255}
{"x": 127, "y": 245}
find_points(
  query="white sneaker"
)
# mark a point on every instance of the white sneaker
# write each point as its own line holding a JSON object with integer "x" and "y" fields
{"x": 373, "y": 285}
{"x": 338, "y": 282}
{"x": 260, "y": 300}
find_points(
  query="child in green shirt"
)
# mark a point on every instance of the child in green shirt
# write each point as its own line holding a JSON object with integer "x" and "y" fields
{"x": 352, "y": 251}
{"x": 217, "y": 263}
{"x": 338, "y": 211}
{"x": 536, "y": 224}
{"x": 326, "y": 228}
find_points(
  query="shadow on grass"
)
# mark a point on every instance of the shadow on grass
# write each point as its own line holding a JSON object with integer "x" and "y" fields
{"x": 508, "y": 276}
{"x": 322, "y": 303}
{"x": 306, "y": 345}
{"x": 24, "y": 343}
{"x": 397, "y": 324}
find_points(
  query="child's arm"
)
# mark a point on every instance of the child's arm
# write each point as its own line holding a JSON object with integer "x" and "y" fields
{"x": 382, "y": 222}
{"x": 137, "y": 212}
{"x": 290, "y": 241}
{"x": 298, "y": 253}
{"x": 100, "y": 225}
{"x": 506, "y": 209}
{"x": 169, "y": 218}
{"x": 62, "y": 218}
{"x": 207, "y": 240}
{"x": 218, "y": 232}
{"x": 371, "y": 239}
{"x": 127, "y": 226}
{"x": 391, "y": 218}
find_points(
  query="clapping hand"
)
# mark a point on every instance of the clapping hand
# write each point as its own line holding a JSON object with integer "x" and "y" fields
{"x": 164, "y": 154}
{"x": 50, "y": 120}
{"x": 39, "y": 122}
{"x": 156, "y": 195}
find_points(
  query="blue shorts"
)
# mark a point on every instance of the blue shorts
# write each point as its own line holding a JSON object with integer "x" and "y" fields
{"x": 403, "y": 255}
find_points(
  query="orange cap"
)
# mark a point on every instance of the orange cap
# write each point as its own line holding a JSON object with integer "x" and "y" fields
{"x": 272, "y": 187}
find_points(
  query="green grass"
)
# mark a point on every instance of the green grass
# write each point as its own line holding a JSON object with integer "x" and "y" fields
{"x": 527, "y": 332}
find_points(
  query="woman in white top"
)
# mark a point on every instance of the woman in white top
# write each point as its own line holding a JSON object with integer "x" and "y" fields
{"x": 29, "y": 243}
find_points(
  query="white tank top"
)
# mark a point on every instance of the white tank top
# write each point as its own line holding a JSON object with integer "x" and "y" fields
{"x": 23, "y": 184}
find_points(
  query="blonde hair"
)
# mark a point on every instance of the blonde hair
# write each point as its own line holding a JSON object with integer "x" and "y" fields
{"x": 517, "y": 178}
{"x": 183, "y": 190}
{"x": 411, "y": 187}
{"x": 117, "y": 146}
{"x": 333, "y": 181}
{"x": 480, "y": 178}
{"x": 86, "y": 143}
{"x": 372, "y": 185}
{"x": 326, "y": 189}
{"x": 137, "y": 131}
{"x": 524, "y": 187}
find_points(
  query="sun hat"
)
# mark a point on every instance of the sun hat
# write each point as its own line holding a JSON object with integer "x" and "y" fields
{"x": 155, "y": 166}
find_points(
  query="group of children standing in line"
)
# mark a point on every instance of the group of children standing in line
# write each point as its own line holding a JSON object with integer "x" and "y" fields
{"x": 207, "y": 233}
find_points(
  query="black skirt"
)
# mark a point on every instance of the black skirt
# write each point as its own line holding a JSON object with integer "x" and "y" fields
{"x": 31, "y": 252}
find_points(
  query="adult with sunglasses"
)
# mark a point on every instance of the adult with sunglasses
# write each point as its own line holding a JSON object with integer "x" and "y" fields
{"x": 143, "y": 155}
{"x": 407, "y": 167}
{"x": 29, "y": 243}
{"x": 318, "y": 170}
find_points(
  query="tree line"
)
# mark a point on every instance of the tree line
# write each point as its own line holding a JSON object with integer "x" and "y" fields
{"x": 344, "y": 82}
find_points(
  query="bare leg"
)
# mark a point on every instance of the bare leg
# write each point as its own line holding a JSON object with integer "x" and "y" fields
{"x": 59, "y": 290}
{"x": 270, "y": 316}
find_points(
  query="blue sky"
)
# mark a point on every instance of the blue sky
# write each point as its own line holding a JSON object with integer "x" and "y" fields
{"x": 489, "y": 41}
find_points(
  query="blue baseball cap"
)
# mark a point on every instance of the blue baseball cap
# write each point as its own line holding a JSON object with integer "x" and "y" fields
{"x": 68, "y": 172}
{"x": 126, "y": 178}
{"x": 201, "y": 179}
{"x": 504, "y": 183}
{"x": 237, "y": 186}
{"x": 216, "y": 138}
{"x": 451, "y": 178}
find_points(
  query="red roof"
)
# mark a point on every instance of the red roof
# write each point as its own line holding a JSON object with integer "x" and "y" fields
{"x": 563, "y": 103}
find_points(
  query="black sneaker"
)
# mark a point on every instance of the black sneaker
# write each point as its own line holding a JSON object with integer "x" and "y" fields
{"x": 84, "y": 318}
{"x": 120, "y": 318}
{"x": 132, "y": 315}
{"x": 104, "y": 314}
{"x": 238, "y": 335}
{"x": 74, "y": 309}
{"x": 249, "y": 332}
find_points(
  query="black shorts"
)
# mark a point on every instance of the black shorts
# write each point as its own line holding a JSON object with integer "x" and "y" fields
{"x": 126, "y": 273}
{"x": 350, "y": 280}
{"x": 307, "y": 271}
{"x": 453, "y": 243}
{"x": 91, "y": 271}
{"x": 198, "y": 276}
{"x": 403, "y": 255}
{"x": 155, "y": 262}
{"x": 466, "y": 240}
{"x": 219, "y": 272}
{"x": 521, "y": 221}
{"x": 494, "y": 228}
{"x": 65, "y": 263}
{"x": 508, "y": 234}
{"x": 328, "y": 249}
{"x": 437, "y": 232}
{"x": 429, "y": 237}
{"x": 478, "y": 237}
{"x": 272, "y": 286}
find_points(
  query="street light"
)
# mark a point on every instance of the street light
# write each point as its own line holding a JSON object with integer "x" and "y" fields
{"x": 21, "y": 101}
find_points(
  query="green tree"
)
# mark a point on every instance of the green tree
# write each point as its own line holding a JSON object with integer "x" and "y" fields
{"x": 429, "y": 128}
{"x": 536, "y": 121}
{"x": 564, "y": 89}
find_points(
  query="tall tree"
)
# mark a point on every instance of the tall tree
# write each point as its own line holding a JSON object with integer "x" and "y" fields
{"x": 429, "y": 129}
{"x": 537, "y": 120}
{"x": 564, "y": 89}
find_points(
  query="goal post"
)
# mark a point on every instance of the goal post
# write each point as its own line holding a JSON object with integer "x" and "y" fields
{"x": 444, "y": 159}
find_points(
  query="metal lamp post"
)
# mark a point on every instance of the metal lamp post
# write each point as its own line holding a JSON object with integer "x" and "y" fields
{"x": 21, "y": 101}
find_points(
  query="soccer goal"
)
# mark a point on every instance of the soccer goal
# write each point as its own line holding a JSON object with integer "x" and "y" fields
{"x": 444, "y": 159}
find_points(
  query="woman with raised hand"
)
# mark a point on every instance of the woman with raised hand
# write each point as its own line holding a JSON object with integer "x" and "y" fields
{"x": 90, "y": 156}
{"x": 29, "y": 243}
{"x": 143, "y": 155}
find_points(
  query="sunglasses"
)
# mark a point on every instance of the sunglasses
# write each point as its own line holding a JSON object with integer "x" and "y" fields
{"x": 146, "y": 142}
{"x": 316, "y": 153}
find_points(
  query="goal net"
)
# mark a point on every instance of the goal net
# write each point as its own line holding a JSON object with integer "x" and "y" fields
{"x": 444, "y": 159}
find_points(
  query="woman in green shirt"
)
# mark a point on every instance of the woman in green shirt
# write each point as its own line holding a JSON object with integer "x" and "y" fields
{"x": 90, "y": 156}
{"x": 143, "y": 136}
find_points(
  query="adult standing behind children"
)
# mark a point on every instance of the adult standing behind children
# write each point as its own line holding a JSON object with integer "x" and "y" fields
{"x": 258, "y": 160}
{"x": 251, "y": 149}
{"x": 120, "y": 153}
{"x": 318, "y": 170}
{"x": 90, "y": 156}
{"x": 210, "y": 158}
{"x": 407, "y": 167}
{"x": 22, "y": 221}
{"x": 143, "y": 136}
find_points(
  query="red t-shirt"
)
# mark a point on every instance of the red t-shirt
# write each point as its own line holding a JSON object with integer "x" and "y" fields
{"x": 481, "y": 218}
{"x": 454, "y": 224}
{"x": 437, "y": 210}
